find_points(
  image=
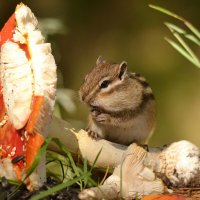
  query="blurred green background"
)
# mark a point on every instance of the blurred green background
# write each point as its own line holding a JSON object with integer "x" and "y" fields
{"x": 81, "y": 30}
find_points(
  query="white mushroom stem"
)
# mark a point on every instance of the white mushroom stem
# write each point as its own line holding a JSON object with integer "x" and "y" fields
{"x": 80, "y": 143}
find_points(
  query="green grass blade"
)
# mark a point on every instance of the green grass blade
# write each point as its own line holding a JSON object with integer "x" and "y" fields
{"x": 57, "y": 188}
{"x": 65, "y": 150}
{"x": 95, "y": 160}
{"x": 192, "y": 28}
{"x": 62, "y": 169}
{"x": 85, "y": 170}
{"x": 174, "y": 28}
{"x": 181, "y": 51}
{"x": 13, "y": 182}
{"x": 76, "y": 169}
{"x": 193, "y": 39}
{"x": 58, "y": 166}
{"x": 167, "y": 12}
{"x": 92, "y": 182}
{"x": 187, "y": 48}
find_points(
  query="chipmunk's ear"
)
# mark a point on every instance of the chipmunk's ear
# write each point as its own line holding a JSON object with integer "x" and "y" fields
{"x": 122, "y": 70}
{"x": 100, "y": 60}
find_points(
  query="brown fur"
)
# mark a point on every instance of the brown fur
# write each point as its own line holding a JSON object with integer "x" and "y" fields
{"x": 123, "y": 112}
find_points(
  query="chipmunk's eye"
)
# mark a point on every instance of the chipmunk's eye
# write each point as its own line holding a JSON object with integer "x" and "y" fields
{"x": 105, "y": 84}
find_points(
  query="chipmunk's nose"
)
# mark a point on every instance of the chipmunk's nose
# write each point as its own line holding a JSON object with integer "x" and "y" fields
{"x": 82, "y": 98}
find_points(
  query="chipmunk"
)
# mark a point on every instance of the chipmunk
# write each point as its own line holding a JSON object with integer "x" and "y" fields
{"x": 122, "y": 105}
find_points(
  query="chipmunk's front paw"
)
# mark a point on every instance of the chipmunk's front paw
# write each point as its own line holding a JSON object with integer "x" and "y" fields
{"x": 94, "y": 135}
{"x": 100, "y": 117}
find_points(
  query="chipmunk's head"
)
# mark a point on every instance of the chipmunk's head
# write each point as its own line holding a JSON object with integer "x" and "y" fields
{"x": 102, "y": 82}
{"x": 109, "y": 88}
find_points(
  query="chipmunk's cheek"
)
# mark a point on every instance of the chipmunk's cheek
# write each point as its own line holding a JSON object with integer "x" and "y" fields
{"x": 105, "y": 103}
{"x": 94, "y": 103}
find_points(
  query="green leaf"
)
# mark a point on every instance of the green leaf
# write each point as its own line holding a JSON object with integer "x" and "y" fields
{"x": 78, "y": 171}
{"x": 181, "y": 51}
{"x": 174, "y": 28}
{"x": 187, "y": 23}
{"x": 193, "y": 39}
{"x": 167, "y": 12}
{"x": 95, "y": 160}
{"x": 192, "y": 28}
{"x": 13, "y": 182}
{"x": 58, "y": 166}
{"x": 81, "y": 174}
{"x": 65, "y": 150}
{"x": 187, "y": 48}
{"x": 85, "y": 169}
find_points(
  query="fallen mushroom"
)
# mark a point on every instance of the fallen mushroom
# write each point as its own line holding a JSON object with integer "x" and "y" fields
{"x": 176, "y": 165}
{"x": 136, "y": 175}
{"x": 130, "y": 179}
{"x": 27, "y": 95}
